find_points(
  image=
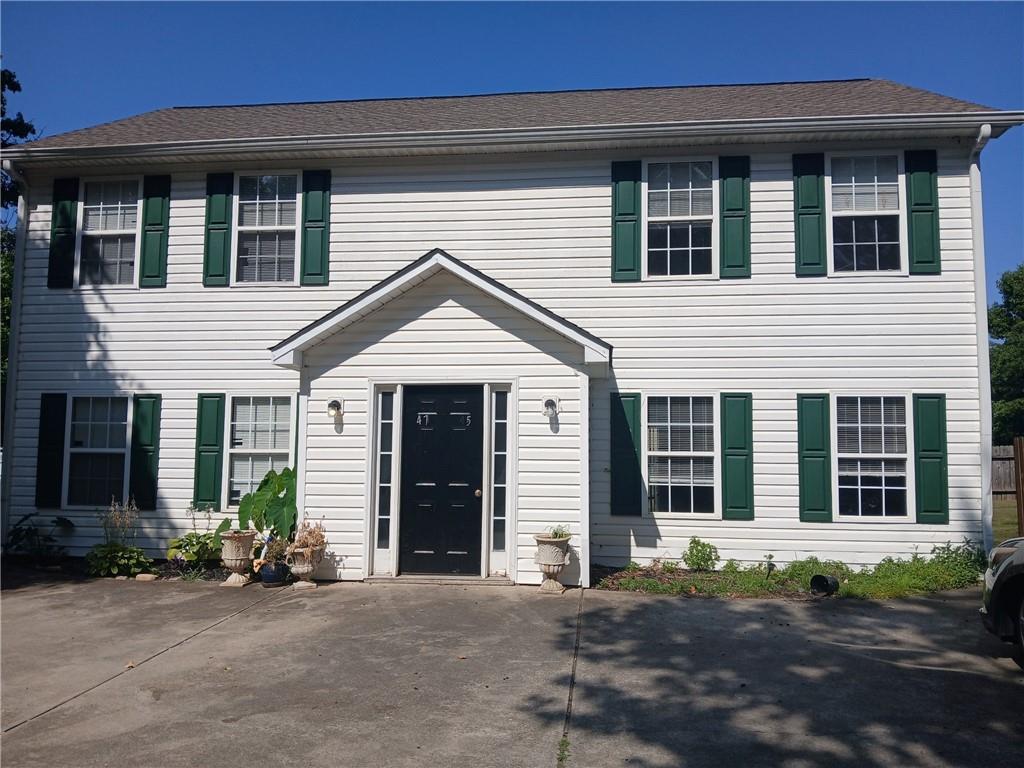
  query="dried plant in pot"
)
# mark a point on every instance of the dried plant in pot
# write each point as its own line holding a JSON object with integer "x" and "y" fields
{"x": 552, "y": 556}
{"x": 271, "y": 564}
{"x": 306, "y": 552}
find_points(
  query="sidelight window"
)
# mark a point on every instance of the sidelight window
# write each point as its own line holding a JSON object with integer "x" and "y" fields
{"x": 385, "y": 451}
{"x": 499, "y": 474}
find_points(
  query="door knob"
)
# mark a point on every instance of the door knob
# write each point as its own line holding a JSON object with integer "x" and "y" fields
{"x": 477, "y": 493}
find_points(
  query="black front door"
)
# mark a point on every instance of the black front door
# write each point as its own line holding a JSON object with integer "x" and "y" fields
{"x": 442, "y": 471}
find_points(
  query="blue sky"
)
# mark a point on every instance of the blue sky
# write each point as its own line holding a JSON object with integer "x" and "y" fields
{"x": 86, "y": 63}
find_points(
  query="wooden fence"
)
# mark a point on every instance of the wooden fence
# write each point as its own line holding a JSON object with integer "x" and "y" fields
{"x": 1003, "y": 482}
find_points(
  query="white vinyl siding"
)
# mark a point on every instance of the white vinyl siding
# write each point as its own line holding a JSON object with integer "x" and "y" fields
{"x": 108, "y": 223}
{"x": 540, "y": 225}
{"x": 259, "y": 441}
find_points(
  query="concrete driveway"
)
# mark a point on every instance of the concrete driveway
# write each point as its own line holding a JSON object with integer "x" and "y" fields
{"x": 114, "y": 673}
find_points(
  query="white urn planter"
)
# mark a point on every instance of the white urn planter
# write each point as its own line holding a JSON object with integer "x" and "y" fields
{"x": 303, "y": 563}
{"x": 552, "y": 556}
{"x": 236, "y": 553}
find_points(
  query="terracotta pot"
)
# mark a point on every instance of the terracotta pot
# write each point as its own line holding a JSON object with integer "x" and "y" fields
{"x": 304, "y": 561}
{"x": 552, "y": 556}
{"x": 236, "y": 554}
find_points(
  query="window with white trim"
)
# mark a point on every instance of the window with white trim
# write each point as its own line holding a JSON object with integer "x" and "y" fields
{"x": 681, "y": 454}
{"x": 98, "y": 443}
{"x": 499, "y": 479}
{"x": 872, "y": 456}
{"x": 385, "y": 451}
{"x": 267, "y": 216}
{"x": 260, "y": 440}
{"x": 865, "y": 204}
{"x": 680, "y": 216}
{"x": 107, "y": 247}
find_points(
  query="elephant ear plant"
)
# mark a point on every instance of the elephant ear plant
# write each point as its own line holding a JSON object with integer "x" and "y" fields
{"x": 271, "y": 507}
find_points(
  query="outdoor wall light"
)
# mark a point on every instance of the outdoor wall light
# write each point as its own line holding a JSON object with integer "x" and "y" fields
{"x": 552, "y": 407}
{"x": 334, "y": 409}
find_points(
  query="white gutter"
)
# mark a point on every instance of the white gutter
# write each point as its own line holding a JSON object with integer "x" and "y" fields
{"x": 17, "y": 291}
{"x": 511, "y": 137}
{"x": 981, "y": 322}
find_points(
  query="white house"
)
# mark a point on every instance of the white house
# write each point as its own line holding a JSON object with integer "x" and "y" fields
{"x": 754, "y": 314}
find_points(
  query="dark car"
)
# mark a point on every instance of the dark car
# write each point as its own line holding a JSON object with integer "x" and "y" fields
{"x": 1003, "y": 608}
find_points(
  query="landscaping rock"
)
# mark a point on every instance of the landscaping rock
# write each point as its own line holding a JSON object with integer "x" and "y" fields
{"x": 146, "y": 577}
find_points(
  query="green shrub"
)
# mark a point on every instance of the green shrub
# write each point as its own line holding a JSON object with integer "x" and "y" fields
{"x": 195, "y": 547}
{"x": 114, "y": 559}
{"x": 700, "y": 555}
{"x": 271, "y": 506}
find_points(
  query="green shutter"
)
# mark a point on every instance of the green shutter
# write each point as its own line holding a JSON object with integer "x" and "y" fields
{"x": 63, "y": 226}
{"x": 809, "y": 210}
{"x": 626, "y": 221}
{"x": 156, "y": 214}
{"x": 921, "y": 170}
{"x": 734, "y": 184}
{"x": 316, "y": 217}
{"x": 737, "y": 456}
{"x": 220, "y": 188}
{"x": 145, "y": 451}
{"x": 53, "y": 411}
{"x": 209, "y": 450}
{"x": 626, "y": 477}
{"x": 931, "y": 471}
{"x": 815, "y": 457}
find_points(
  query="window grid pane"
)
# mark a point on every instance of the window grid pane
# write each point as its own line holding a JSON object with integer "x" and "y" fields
{"x": 267, "y": 213}
{"x": 107, "y": 260}
{"x": 499, "y": 490}
{"x": 260, "y": 441}
{"x": 680, "y": 464}
{"x": 865, "y": 185}
{"x": 385, "y": 442}
{"x": 869, "y": 429}
{"x": 99, "y": 441}
{"x": 679, "y": 191}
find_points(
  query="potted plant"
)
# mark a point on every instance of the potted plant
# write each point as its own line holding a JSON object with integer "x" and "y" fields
{"x": 552, "y": 556}
{"x": 271, "y": 505}
{"x": 306, "y": 552}
{"x": 271, "y": 564}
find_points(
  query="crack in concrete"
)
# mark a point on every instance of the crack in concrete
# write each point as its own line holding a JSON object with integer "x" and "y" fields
{"x": 149, "y": 658}
{"x": 563, "y": 745}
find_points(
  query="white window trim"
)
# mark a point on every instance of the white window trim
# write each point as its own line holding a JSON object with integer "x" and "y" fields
{"x": 498, "y": 556}
{"x": 715, "y": 220}
{"x": 66, "y": 476}
{"x": 716, "y": 406}
{"x": 79, "y": 227}
{"x": 225, "y": 489}
{"x": 911, "y": 516}
{"x": 235, "y": 282}
{"x": 901, "y": 192}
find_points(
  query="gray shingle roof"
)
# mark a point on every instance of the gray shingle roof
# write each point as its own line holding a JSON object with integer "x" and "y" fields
{"x": 628, "y": 106}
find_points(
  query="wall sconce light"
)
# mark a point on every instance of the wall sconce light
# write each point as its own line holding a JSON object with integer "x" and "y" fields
{"x": 552, "y": 407}
{"x": 334, "y": 409}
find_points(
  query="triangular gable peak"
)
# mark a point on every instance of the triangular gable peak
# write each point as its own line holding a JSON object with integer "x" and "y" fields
{"x": 288, "y": 353}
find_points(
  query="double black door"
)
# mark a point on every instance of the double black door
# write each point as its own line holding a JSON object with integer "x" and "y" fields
{"x": 442, "y": 479}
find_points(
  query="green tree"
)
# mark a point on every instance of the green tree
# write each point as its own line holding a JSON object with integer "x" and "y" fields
{"x": 14, "y": 129}
{"x": 1006, "y": 327}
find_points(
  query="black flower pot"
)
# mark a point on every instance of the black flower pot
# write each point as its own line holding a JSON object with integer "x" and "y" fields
{"x": 273, "y": 574}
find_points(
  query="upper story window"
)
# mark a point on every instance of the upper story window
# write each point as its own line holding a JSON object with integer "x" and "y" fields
{"x": 267, "y": 228}
{"x": 866, "y": 209}
{"x": 872, "y": 456}
{"x": 681, "y": 454}
{"x": 107, "y": 247}
{"x": 97, "y": 458}
{"x": 681, "y": 207}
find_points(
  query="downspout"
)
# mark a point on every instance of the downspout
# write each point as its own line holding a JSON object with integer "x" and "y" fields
{"x": 16, "y": 289}
{"x": 981, "y": 322}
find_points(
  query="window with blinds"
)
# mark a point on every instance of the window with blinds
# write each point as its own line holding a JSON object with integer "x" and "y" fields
{"x": 260, "y": 441}
{"x": 267, "y": 218}
{"x": 865, "y": 213}
{"x": 680, "y": 213}
{"x": 681, "y": 454}
{"x": 872, "y": 456}
{"x": 110, "y": 218}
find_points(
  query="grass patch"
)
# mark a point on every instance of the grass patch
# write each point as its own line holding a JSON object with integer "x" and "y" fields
{"x": 948, "y": 567}
{"x": 563, "y": 752}
{"x": 1004, "y": 518}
